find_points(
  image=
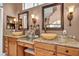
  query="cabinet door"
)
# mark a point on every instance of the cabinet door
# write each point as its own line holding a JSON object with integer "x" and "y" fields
{"x": 12, "y": 47}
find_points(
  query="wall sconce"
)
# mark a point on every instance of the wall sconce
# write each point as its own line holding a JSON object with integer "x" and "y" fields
{"x": 70, "y": 14}
{"x": 33, "y": 19}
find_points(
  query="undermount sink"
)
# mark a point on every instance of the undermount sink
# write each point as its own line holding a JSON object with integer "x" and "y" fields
{"x": 48, "y": 36}
{"x": 17, "y": 33}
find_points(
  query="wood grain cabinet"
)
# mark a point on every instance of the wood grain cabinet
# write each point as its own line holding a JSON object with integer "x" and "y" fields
{"x": 22, "y": 46}
{"x": 43, "y": 49}
{"x": 42, "y": 52}
{"x": 10, "y": 46}
{"x": 68, "y": 50}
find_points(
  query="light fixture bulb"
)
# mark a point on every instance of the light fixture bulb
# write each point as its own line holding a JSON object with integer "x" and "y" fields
{"x": 71, "y": 9}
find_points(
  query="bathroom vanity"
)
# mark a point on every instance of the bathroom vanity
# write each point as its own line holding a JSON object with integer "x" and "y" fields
{"x": 10, "y": 44}
{"x": 16, "y": 46}
{"x": 56, "y": 48}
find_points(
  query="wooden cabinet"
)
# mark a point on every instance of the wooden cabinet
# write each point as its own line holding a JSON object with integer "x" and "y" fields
{"x": 42, "y": 52}
{"x": 43, "y": 49}
{"x": 68, "y": 50}
{"x": 20, "y": 50}
{"x": 22, "y": 46}
{"x": 45, "y": 46}
{"x": 10, "y": 46}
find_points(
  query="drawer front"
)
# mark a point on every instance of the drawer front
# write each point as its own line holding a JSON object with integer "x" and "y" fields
{"x": 68, "y": 50}
{"x": 45, "y": 46}
{"x": 12, "y": 39}
{"x": 41, "y": 52}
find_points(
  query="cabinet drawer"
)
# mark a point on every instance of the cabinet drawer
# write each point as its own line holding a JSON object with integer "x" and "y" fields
{"x": 68, "y": 50}
{"x": 25, "y": 44}
{"x": 42, "y": 52}
{"x": 11, "y": 39}
{"x": 45, "y": 46}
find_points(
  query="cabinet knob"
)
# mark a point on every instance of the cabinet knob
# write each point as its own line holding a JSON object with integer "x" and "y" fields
{"x": 67, "y": 51}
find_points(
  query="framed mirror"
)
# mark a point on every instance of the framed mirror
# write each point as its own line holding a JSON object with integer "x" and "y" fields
{"x": 23, "y": 20}
{"x": 10, "y": 22}
{"x": 53, "y": 17}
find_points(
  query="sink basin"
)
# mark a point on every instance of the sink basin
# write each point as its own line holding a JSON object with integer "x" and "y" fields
{"x": 49, "y": 36}
{"x": 17, "y": 33}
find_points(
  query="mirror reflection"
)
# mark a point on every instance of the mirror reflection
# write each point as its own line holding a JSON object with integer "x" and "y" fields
{"x": 23, "y": 20}
{"x": 52, "y": 16}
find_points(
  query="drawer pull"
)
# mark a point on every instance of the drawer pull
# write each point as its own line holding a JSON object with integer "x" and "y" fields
{"x": 67, "y": 51}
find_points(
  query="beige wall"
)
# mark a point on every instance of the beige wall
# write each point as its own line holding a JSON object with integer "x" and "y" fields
{"x": 73, "y": 30}
{"x": 11, "y": 9}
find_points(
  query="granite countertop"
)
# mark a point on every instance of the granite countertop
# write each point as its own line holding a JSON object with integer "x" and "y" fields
{"x": 26, "y": 40}
{"x": 68, "y": 42}
{"x": 15, "y": 36}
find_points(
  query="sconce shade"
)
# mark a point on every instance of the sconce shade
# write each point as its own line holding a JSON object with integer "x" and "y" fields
{"x": 33, "y": 16}
{"x": 71, "y": 9}
{"x": 70, "y": 14}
